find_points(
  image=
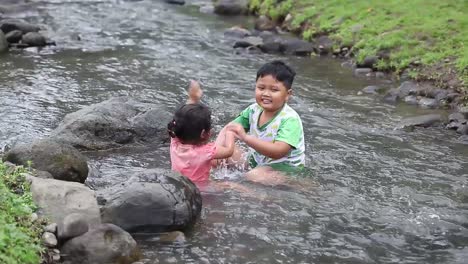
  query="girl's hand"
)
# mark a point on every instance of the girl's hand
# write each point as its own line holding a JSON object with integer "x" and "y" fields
{"x": 195, "y": 92}
{"x": 238, "y": 130}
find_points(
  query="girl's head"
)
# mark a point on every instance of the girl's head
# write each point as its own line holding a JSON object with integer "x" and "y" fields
{"x": 191, "y": 124}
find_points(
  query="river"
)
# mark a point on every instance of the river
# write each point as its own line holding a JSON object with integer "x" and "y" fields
{"x": 379, "y": 194}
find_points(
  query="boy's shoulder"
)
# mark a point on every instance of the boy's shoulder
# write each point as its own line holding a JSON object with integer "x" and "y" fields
{"x": 289, "y": 112}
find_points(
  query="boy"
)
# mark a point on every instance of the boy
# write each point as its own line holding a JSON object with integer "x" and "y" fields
{"x": 276, "y": 137}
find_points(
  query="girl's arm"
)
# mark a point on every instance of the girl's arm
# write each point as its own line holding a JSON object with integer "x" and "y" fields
{"x": 194, "y": 92}
{"x": 274, "y": 150}
{"x": 226, "y": 148}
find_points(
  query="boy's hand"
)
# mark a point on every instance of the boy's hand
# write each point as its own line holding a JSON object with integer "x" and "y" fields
{"x": 195, "y": 92}
{"x": 238, "y": 130}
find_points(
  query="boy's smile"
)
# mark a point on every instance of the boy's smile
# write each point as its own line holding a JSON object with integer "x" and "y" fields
{"x": 271, "y": 94}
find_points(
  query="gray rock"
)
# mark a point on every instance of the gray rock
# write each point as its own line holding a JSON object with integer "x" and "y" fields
{"x": 441, "y": 95}
{"x": 58, "y": 199}
{"x": 362, "y": 71}
{"x": 380, "y": 75}
{"x": 43, "y": 174}
{"x": 452, "y": 97}
{"x": 297, "y": 47}
{"x": 372, "y": 89}
{"x": 407, "y": 88}
{"x": 175, "y": 2}
{"x": 271, "y": 44}
{"x": 114, "y": 123}
{"x": 62, "y": 161}
{"x": 411, "y": 99}
{"x": 154, "y": 200}
{"x": 34, "y": 217}
{"x": 8, "y": 25}
{"x": 3, "y": 43}
{"x": 248, "y": 42}
{"x": 368, "y": 62}
{"x": 52, "y": 228}
{"x": 73, "y": 225}
{"x": 454, "y": 125}
{"x": 463, "y": 111}
{"x": 237, "y": 32}
{"x": 391, "y": 96}
{"x": 34, "y": 39}
{"x": 428, "y": 102}
{"x": 231, "y": 7}
{"x": 421, "y": 121}
{"x": 14, "y": 36}
{"x": 463, "y": 129}
{"x": 105, "y": 243}
{"x": 49, "y": 239}
{"x": 324, "y": 45}
{"x": 457, "y": 117}
{"x": 263, "y": 23}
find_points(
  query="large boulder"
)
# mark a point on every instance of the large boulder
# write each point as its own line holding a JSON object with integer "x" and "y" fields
{"x": 71, "y": 205}
{"x": 105, "y": 243}
{"x": 3, "y": 42}
{"x": 152, "y": 200}
{"x": 8, "y": 25}
{"x": 231, "y": 7}
{"x": 61, "y": 160}
{"x": 114, "y": 123}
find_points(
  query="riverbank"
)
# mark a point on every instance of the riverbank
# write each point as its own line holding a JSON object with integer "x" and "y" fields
{"x": 20, "y": 232}
{"x": 428, "y": 45}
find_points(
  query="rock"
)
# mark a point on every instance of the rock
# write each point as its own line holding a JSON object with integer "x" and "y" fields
{"x": 172, "y": 237}
{"x": 463, "y": 129}
{"x": 3, "y": 43}
{"x": 73, "y": 225}
{"x": 324, "y": 45}
{"x": 464, "y": 111}
{"x": 421, "y": 121}
{"x": 452, "y": 97}
{"x": 248, "y": 42}
{"x": 8, "y": 25}
{"x": 106, "y": 243}
{"x": 379, "y": 75}
{"x": 457, "y": 117}
{"x": 407, "y": 88}
{"x": 49, "y": 239}
{"x": 56, "y": 255}
{"x": 454, "y": 125}
{"x": 231, "y": 7}
{"x": 441, "y": 95}
{"x": 368, "y": 62}
{"x": 297, "y": 47}
{"x": 58, "y": 199}
{"x": 253, "y": 50}
{"x": 391, "y": 96}
{"x": 175, "y": 2}
{"x": 34, "y": 39}
{"x": 428, "y": 102}
{"x": 14, "y": 36}
{"x": 372, "y": 89}
{"x": 237, "y": 32}
{"x": 154, "y": 200}
{"x": 62, "y": 161}
{"x": 43, "y": 174}
{"x": 362, "y": 71}
{"x": 114, "y": 123}
{"x": 271, "y": 44}
{"x": 263, "y": 23}
{"x": 207, "y": 9}
{"x": 411, "y": 99}
{"x": 52, "y": 228}
{"x": 34, "y": 217}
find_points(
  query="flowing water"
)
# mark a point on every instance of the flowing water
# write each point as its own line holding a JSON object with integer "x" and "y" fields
{"x": 376, "y": 194}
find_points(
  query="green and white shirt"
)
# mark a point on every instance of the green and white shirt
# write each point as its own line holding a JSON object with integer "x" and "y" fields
{"x": 285, "y": 126}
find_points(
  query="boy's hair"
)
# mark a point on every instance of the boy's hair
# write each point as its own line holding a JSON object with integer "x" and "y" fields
{"x": 279, "y": 70}
{"x": 189, "y": 121}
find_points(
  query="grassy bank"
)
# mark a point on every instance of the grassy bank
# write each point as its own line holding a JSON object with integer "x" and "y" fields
{"x": 428, "y": 37}
{"x": 19, "y": 236}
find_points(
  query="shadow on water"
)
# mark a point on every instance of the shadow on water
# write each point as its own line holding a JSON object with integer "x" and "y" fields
{"x": 380, "y": 195}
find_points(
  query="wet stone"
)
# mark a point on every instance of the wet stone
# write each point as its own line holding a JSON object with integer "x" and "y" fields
{"x": 52, "y": 228}
{"x": 362, "y": 71}
{"x": 411, "y": 99}
{"x": 428, "y": 102}
{"x": 49, "y": 239}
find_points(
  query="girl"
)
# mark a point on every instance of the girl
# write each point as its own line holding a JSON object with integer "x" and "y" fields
{"x": 191, "y": 152}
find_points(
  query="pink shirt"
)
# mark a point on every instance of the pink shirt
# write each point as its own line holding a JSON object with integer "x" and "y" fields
{"x": 192, "y": 161}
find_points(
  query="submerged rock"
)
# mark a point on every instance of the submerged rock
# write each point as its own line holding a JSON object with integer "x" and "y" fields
{"x": 105, "y": 243}
{"x": 421, "y": 121}
{"x": 153, "y": 200}
{"x": 231, "y": 7}
{"x": 114, "y": 123}
{"x": 61, "y": 160}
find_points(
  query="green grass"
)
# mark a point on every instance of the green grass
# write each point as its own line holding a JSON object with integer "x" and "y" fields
{"x": 19, "y": 237}
{"x": 429, "y": 32}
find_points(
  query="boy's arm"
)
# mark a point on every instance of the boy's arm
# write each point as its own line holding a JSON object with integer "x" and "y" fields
{"x": 274, "y": 150}
{"x": 226, "y": 149}
{"x": 194, "y": 92}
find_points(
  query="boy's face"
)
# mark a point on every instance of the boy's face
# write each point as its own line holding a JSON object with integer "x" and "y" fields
{"x": 271, "y": 94}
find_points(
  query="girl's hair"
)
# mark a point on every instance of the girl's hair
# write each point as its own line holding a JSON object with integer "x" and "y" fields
{"x": 189, "y": 122}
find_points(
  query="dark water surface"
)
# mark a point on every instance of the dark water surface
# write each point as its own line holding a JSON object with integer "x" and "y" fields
{"x": 378, "y": 195}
